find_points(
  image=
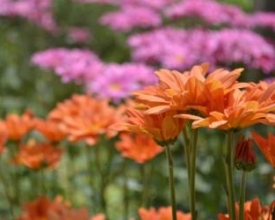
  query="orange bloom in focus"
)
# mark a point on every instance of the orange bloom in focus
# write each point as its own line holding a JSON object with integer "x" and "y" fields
{"x": 38, "y": 155}
{"x": 241, "y": 110}
{"x": 163, "y": 128}
{"x": 44, "y": 209}
{"x": 50, "y": 129}
{"x": 18, "y": 126}
{"x": 267, "y": 146}
{"x": 163, "y": 213}
{"x": 139, "y": 147}
{"x": 191, "y": 90}
{"x": 252, "y": 211}
{"x": 84, "y": 118}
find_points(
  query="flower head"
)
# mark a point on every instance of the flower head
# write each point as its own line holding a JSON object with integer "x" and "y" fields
{"x": 161, "y": 213}
{"x": 267, "y": 146}
{"x": 252, "y": 210}
{"x": 83, "y": 118}
{"x": 245, "y": 158}
{"x": 139, "y": 147}
{"x": 58, "y": 209}
{"x": 19, "y": 126}
{"x": 38, "y": 155}
{"x": 163, "y": 127}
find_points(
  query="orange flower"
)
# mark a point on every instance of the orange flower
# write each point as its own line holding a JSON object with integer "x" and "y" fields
{"x": 252, "y": 210}
{"x": 44, "y": 209}
{"x": 192, "y": 90}
{"x": 3, "y": 135}
{"x": 240, "y": 110}
{"x": 267, "y": 146}
{"x": 163, "y": 213}
{"x": 50, "y": 129}
{"x": 163, "y": 128}
{"x": 38, "y": 155}
{"x": 84, "y": 118}
{"x": 140, "y": 148}
{"x": 18, "y": 126}
{"x": 98, "y": 217}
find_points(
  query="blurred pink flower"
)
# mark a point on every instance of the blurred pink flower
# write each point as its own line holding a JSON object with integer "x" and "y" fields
{"x": 130, "y": 17}
{"x": 37, "y": 11}
{"x": 77, "y": 65}
{"x": 79, "y": 35}
{"x": 117, "y": 81}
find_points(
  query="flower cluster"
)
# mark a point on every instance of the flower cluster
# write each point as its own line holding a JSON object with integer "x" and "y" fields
{"x": 181, "y": 49}
{"x": 44, "y": 208}
{"x": 105, "y": 80}
{"x": 37, "y": 11}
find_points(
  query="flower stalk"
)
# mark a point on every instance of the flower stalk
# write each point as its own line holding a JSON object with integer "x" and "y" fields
{"x": 228, "y": 165}
{"x": 242, "y": 196}
{"x": 171, "y": 181}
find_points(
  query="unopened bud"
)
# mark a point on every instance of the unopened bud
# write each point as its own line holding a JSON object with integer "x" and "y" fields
{"x": 245, "y": 158}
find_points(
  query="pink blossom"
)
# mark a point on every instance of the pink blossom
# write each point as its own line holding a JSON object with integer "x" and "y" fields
{"x": 130, "y": 17}
{"x": 210, "y": 11}
{"x": 181, "y": 49}
{"x": 263, "y": 20}
{"x": 79, "y": 35}
{"x": 71, "y": 64}
{"x": 117, "y": 81}
{"x": 37, "y": 11}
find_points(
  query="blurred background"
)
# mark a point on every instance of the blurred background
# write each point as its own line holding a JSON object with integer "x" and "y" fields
{"x": 50, "y": 50}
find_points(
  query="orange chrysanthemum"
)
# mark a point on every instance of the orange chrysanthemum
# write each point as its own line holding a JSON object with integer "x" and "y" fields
{"x": 50, "y": 129}
{"x": 44, "y": 209}
{"x": 3, "y": 135}
{"x": 84, "y": 118}
{"x": 241, "y": 110}
{"x": 38, "y": 155}
{"x": 267, "y": 146}
{"x": 163, "y": 213}
{"x": 18, "y": 126}
{"x": 163, "y": 128}
{"x": 140, "y": 148}
{"x": 191, "y": 90}
{"x": 252, "y": 210}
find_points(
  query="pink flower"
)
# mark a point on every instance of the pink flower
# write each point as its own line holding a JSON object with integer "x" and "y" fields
{"x": 71, "y": 64}
{"x": 117, "y": 81}
{"x": 79, "y": 35}
{"x": 130, "y": 17}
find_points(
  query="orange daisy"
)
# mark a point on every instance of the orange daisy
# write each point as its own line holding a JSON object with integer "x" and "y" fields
{"x": 163, "y": 127}
{"x": 252, "y": 210}
{"x": 19, "y": 126}
{"x": 44, "y": 209}
{"x": 240, "y": 110}
{"x": 38, "y": 155}
{"x": 163, "y": 213}
{"x": 50, "y": 129}
{"x": 84, "y": 118}
{"x": 3, "y": 135}
{"x": 267, "y": 146}
{"x": 139, "y": 147}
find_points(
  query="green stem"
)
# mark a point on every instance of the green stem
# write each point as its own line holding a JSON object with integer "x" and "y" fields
{"x": 171, "y": 181}
{"x": 125, "y": 190}
{"x": 193, "y": 151}
{"x": 7, "y": 192}
{"x": 187, "y": 153}
{"x": 242, "y": 196}
{"x": 228, "y": 165}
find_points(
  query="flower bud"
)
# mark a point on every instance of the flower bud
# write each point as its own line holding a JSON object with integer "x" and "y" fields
{"x": 245, "y": 158}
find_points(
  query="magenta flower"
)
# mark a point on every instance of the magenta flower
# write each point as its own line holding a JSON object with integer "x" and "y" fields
{"x": 79, "y": 35}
